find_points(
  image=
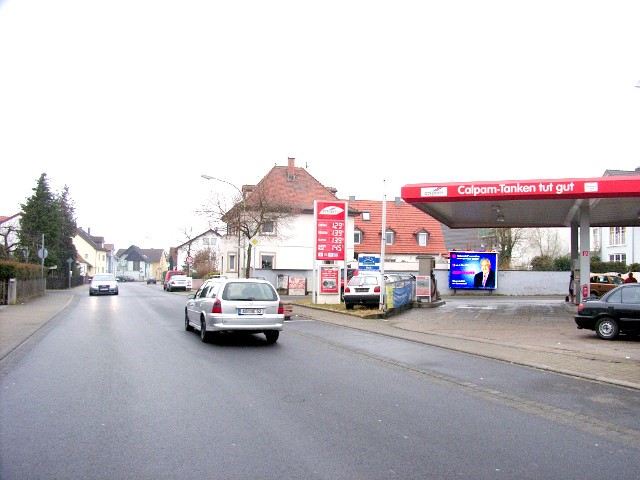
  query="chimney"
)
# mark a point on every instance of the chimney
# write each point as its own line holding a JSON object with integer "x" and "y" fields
{"x": 291, "y": 168}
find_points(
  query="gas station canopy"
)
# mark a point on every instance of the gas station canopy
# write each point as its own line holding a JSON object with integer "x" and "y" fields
{"x": 611, "y": 201}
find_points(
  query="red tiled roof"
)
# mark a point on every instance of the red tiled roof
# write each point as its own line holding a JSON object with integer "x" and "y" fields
{"x": 405, "y": 220}
{"x": 291, "y": 186}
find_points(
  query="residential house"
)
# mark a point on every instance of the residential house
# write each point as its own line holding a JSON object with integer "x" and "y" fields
{"x": 286, "y": 242}
{"x": 617, "y": 243}
{"x": 286, "y": 245}
{"x": 207, "y": 242}
{"x": 409, "y": 233}
{"x": 9, "y": 227}
{"x": 141, "y": 263}
{"x": 95, "y": 255}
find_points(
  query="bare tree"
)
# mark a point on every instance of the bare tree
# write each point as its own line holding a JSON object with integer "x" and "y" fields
{"x": 205, "y": 261}
{"x": 504, "y": 241}
{"x": 8, "y": 239}
{"x": 256, "y": 211}
{"x": 544, "y": 242}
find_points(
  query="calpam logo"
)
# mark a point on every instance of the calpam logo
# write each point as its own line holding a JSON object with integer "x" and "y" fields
{"x": 332, "y": 210}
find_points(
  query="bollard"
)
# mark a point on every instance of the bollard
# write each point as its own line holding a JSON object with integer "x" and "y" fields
{"x": 12, "y": 293}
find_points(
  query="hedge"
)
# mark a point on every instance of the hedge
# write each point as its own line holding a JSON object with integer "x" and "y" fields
{"x": 18, "y": 270}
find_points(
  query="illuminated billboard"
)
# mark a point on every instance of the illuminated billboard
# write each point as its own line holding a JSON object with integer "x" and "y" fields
{"x": 473, "y": 270}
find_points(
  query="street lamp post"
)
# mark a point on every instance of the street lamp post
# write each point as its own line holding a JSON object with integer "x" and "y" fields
{"x": 244, "y": 211}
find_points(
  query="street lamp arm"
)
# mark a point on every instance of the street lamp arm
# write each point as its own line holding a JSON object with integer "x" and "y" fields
{"x": 209, "y": 177}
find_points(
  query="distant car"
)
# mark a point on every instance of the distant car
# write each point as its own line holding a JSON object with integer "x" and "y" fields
{"x": 151, "y": 280}
{"x": 363, "y": 289}
{"x": 103, "y": 284}
{"x": 120, "y": 278}
{"x": 178, "y": 282}
{"x": 617, "y": 311}
{"x": 238, "y": 304}
{"x": 129, "y": 278}
{"x": 601, "y": 283}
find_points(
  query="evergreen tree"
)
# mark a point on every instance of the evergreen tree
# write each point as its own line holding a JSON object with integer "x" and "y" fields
{"x": 68, "y": 228}
{"x": 52, "y": 216}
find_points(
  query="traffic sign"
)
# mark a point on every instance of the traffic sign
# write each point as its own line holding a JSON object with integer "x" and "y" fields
{"x": 189, "y": 260}
{"x": 41, "y": 254}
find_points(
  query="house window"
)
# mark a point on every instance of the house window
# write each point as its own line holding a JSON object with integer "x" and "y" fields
{"x": 357, "y": 236}
{"x": 617, "y": 236}
{"x": 390, "y": 237}
{"x": 618, "y": 257}
{"x": 366, "y": 216}
{"x": 205, "y": 241}
{"x": 231, "y": 262}
{"x": 86, "y": 256}
{"x": 267, "y": 261}
{"x": 268, "y": 227}
{"x": 595, "y": 242}
{"x": 423, "y": 238}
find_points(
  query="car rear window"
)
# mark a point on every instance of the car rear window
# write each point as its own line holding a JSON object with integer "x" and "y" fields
{"x": 242, "y": 291}
{"x": 361, "y": 280}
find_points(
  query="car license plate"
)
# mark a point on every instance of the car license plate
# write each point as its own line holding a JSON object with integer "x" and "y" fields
{"x": 103, "y": 287}
{"x": 250, "y": 311}
{"x": 362, "y": 290}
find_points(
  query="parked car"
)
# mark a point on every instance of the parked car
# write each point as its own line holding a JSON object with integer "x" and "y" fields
{"x": 178, "y": 282}
{"x": 238, "y": 304}
{"x": 601, "y": 283}
{"x": 151, "y": 280}
{"x": 617, "y": 311}
{"x": 169, "y": 274}
{"x": 103, "y": 284}
{"x": 363, "y": 289}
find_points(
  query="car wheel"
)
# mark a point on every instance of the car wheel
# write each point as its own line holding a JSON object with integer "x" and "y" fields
{"x": 272, "y": 336}
{"x": 204, "y": 336}
{"x": 348, "y": 306}
{"x": 187, "y": 325}
{"x": 607, "y": 328}
{"x": 90, "y": 293}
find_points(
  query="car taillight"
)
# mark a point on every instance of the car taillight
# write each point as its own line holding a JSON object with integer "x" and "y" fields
{"x": 280, "y": 308}
{"x": 581, "y": 306}
{"x": 347, "y": 289}
{"x": 377, "y": 289}
{"x": 217, "y": 306}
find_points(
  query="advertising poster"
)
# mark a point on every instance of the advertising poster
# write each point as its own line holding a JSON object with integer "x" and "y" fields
{"x": 423, "y": 286}
{"x": 297, "y": 286}
{"x": 473, "y": 270}
{"x": 369, "y": 262}
{"x": 329, "y": 280}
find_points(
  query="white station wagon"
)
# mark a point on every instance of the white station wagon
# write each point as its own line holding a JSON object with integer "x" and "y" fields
{"x": 238, "y": 304}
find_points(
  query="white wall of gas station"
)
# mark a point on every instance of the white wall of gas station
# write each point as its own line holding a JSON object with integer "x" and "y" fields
{"x": 513, "y": 283}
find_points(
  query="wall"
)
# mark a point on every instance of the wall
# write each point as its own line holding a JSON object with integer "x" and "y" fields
{"x": 514, "y": 282}
{"x": 510, "y": 282}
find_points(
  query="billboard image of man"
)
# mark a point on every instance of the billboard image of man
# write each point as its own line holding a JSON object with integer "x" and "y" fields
{"x": 486, "y": 278}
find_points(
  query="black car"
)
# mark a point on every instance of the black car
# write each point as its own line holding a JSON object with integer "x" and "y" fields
{"x": 617, "y": 311}
{"x": 151, "y": 280}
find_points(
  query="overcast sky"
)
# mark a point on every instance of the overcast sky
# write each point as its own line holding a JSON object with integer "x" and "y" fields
{"x": 128, "y": 102}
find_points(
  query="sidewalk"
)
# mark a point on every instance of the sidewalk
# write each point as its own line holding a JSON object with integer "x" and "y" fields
{"x": 539, "y": 336}
{"x": 534, "y": 336}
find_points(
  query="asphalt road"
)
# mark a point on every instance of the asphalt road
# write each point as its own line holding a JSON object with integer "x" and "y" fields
{"x": 115, "y": 388}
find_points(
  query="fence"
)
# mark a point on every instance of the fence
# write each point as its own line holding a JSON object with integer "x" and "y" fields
{"x": 26, "y": 289}
{"x": 62, "y": 283}
{"x": 4, "y": 292}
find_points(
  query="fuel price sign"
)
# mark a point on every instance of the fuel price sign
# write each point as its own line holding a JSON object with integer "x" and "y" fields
{"x": 331, "y": 227}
